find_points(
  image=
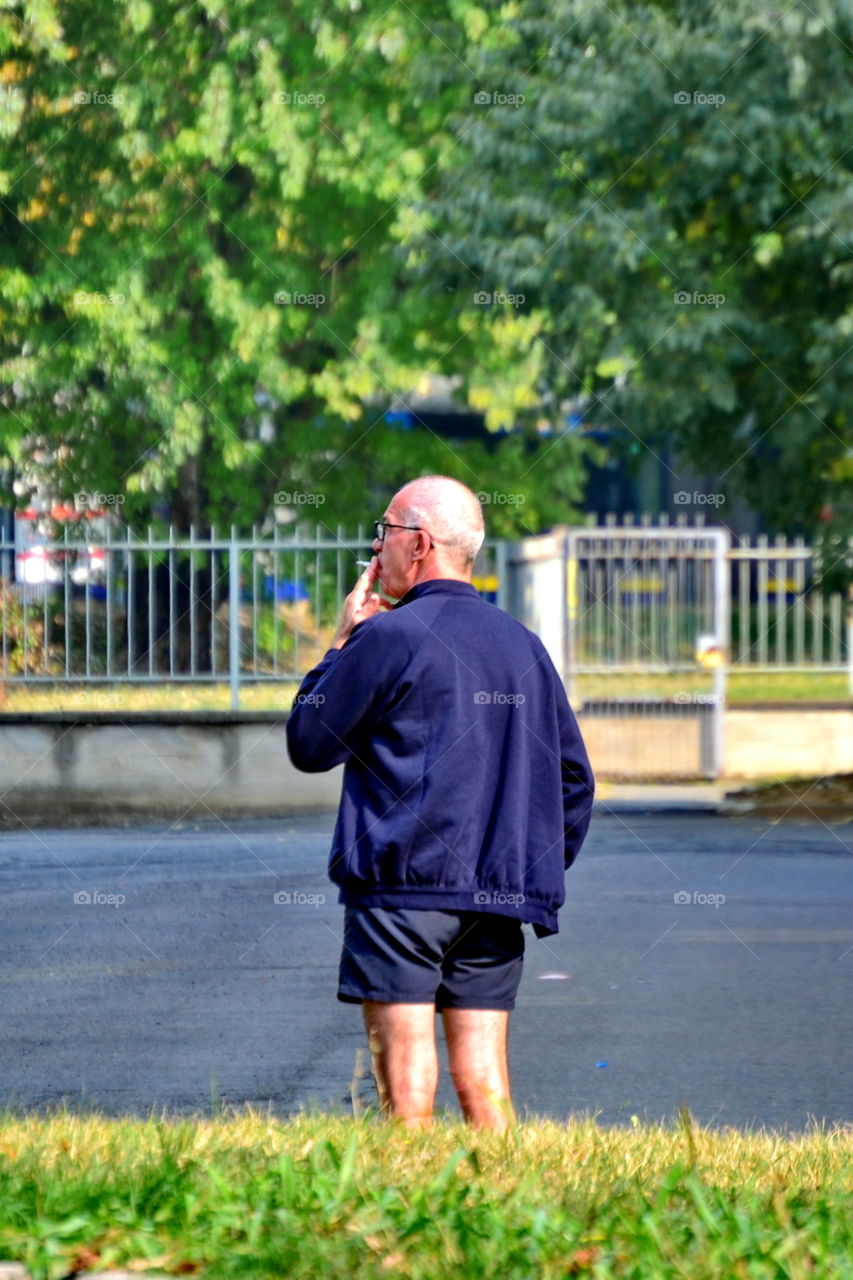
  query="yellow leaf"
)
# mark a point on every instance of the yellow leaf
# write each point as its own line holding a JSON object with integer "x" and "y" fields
{"x": 10, "y": 72}
{"x": 35, "y": 209}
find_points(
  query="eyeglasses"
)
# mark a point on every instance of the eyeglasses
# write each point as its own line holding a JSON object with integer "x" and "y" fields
{"x": 382, "y": 526}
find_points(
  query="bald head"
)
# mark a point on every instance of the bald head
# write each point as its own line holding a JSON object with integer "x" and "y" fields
{"x": 451, "y": 513}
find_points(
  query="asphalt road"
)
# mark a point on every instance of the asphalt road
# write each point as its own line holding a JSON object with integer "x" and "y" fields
{"x": 177, "y": 979}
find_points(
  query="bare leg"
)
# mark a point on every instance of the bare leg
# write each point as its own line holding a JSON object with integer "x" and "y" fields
{"x": 405, "y": 1060}
{"x": 477, "y": 1049}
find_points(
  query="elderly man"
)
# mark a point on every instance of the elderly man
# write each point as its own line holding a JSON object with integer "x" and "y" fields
{"x": 466, "y": 794}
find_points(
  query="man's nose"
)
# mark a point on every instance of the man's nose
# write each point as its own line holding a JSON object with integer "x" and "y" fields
{"x": 376, "y": 544}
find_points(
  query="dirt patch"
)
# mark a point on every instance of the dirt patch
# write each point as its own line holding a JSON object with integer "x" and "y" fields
{"x": 830, "y": 797}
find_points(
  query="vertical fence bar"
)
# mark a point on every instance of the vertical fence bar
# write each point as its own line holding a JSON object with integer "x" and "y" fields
{"x": 296, "y": 579}
{"x": 761, "y": 603}
{"x": 501, "y": 570}
{"x": 570, "y": 576}
{"x": 721, "y": 606}
{"x": 5, "y": 585}
{"x": 318, "y": 585}
{"x": 276, "y": 624}
{"x": 214, "y": 587}
{"x": 150, "y": 602}
{"x": 257, "y": 603}
{"x": 799, "y": 615}
{"x": 234, "y": 620}
{"x": 130, "y": 612}
{"x": 193, "y": 602}
{"x": 745, "y": 576}
{"x": 816, "y": 603}
{"x": 780, "y": 581}
{"x": 835, "y": 628}
{"x": 87, "y": 608}
{"x": 172, "y": 562}
{"x": 108, "y": 602}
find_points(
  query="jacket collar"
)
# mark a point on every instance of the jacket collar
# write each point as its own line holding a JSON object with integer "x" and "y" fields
{"x": 451, "y": 586}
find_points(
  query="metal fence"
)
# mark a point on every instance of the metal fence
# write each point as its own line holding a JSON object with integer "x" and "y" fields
{"x": 198, "y": 609}
{"x": 243, "y": 609}
{"x": 778, "y": 616}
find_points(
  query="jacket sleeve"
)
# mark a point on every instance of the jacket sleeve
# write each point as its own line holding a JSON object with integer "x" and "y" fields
{"x": 578, "y": 782}
{"x": 340, "y": 697}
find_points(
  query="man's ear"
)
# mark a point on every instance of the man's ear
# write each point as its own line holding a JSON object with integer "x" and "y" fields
{"x": 421, "y": 545}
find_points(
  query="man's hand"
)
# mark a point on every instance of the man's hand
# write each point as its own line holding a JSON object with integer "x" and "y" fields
{"x": 361, "y": 603}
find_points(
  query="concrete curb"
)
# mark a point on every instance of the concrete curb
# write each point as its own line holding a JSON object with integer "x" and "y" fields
{"x": 664, "y": 798}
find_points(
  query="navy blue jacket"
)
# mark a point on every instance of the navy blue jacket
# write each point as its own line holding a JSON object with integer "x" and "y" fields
{"x": 466, "y": 783}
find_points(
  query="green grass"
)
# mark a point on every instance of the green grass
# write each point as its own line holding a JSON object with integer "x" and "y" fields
{"x": 276, "y": 697}
{"x": 246, "y": 1196}
{"x": 743, "y": 688}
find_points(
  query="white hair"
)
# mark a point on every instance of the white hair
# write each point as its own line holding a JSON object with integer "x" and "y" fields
{"x": 449, "y": 510}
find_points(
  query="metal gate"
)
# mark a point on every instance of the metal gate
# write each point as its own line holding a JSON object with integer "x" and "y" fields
{"x": 645, "y": 661}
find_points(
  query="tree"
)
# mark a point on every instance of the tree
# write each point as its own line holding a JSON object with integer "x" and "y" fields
{"x": 666, "y": 185}
{"x": 202, "y": 300}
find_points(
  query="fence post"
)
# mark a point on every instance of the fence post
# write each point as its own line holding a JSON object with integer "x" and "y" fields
{"x": 722, "y": 604}
{"x": 570, "y": 613}
{"x": 502, "y": 572}
{"x": 234, "y": 620}
{"x": 850, "y": 639}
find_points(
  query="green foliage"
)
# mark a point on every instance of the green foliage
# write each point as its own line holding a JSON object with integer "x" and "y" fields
{"x": 230, "y": 235}
{"x": 201, "y": 279}
{"x": 26, "y": 650}
{"x": 667, "y": 185}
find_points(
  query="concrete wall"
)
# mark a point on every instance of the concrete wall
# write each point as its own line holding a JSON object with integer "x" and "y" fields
{"x": 105, "y": 767}
{"x": 778, "y": 742}
{"x": 101, "y": 766}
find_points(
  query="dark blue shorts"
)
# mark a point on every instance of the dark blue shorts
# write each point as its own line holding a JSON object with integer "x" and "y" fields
{"x": 452, "y": 959}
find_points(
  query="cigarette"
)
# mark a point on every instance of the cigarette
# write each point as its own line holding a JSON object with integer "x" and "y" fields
{"x": 364, "y": 563}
